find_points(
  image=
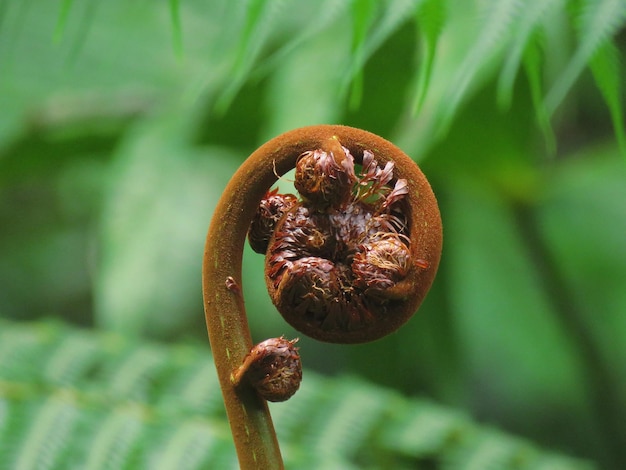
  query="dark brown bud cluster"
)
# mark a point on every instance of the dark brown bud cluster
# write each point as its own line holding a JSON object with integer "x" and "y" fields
{"x": 273, "y": 368}
{"x": 272, "y": 208}
{"x": 334, "y": 257}
{"x": 322, "y": 179}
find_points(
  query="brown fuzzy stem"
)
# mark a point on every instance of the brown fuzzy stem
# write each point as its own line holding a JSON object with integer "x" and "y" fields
{"x": 251, "y": 423}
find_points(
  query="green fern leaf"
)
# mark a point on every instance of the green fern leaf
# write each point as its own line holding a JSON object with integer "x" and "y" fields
{"x": 532, "y": 61}
{"x": 45, "y": 439}
{"x": 4, "y": 5}
{"x": 527, "y": 22}
{"x": 599, "y": 20}
{"x": 75, "y": 399}
{"x": 495, "y": 30}
{"x": 486, "y": 452}
{"x": 66, "y": 6}
{"x": 177, "y": 32}
{"x": 363, "y": 13}
{"x": 425, "y": 430}
{"x": 395, "y": 14}
{"x": 259, "y": 18}
{"x": 431, "y": 15}
{"x": 605, "y": 65}
{"x": 329, "y": 12}
{"x": 348, "y": 420}
{"x": 369, "y": 34}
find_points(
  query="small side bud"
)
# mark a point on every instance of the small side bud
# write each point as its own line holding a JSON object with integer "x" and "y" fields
{"x": 273, "y": 368}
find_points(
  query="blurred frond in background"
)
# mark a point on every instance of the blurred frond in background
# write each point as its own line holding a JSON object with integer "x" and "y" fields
{"x": 121, "y": 122}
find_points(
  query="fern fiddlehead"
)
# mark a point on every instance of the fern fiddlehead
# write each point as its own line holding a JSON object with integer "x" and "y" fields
{"x": 348, "y": 262}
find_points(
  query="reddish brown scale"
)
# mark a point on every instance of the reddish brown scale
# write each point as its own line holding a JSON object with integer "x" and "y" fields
{"x": 422, "y": 263}
{"x": 232, "y": 285}
{"x": 373, "y": 180}
{"x": 272, "y": 207}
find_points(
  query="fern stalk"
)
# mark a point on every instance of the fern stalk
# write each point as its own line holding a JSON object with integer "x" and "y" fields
{"x": 229, "y": 334}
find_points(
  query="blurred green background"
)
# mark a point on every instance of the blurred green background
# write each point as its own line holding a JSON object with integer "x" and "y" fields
{"x": 121, "y": 122}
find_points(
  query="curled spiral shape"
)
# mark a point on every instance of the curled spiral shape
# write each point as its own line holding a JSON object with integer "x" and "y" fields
{"x": 340, "y": 266}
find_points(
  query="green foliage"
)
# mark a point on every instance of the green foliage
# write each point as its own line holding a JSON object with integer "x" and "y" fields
{"x": 74, "y": 399}
{"x": 65, "y": 9}
{"x": 120, "y": 124}
{"x": 430, "y": 19}
{"x": 605, "y": 65}
{"x": 176, "y": 27}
